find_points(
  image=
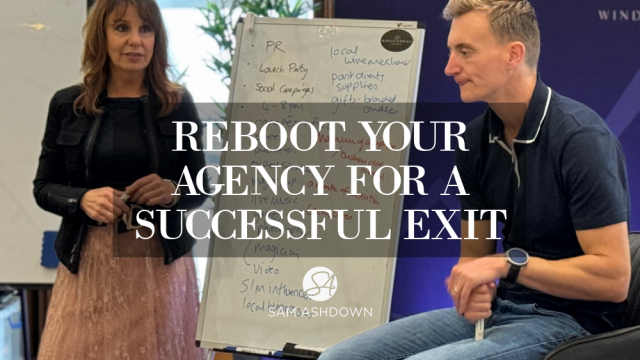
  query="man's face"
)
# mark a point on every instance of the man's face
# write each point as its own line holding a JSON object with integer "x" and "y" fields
{"x": 477, "y": 60}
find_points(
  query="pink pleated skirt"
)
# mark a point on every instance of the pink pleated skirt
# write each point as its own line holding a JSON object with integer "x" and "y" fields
{"x": 123, "y": 307}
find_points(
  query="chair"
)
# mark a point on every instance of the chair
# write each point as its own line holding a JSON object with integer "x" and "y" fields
{"x": 620, "y": 344}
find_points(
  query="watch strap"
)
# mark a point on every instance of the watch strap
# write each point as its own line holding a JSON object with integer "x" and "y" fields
{"x": 512, "y": 275}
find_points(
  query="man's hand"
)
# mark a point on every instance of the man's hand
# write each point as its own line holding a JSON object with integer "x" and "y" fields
{"x": 466, "y": 277}
{"x": 150, "y": 190}
{"x": 479, "y": 304}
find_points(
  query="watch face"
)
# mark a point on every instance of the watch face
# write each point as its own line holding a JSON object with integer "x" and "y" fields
{"x": 518, "y": 256}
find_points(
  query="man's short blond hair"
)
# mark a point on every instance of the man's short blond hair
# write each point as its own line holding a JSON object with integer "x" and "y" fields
{"x": 511, "y": 20}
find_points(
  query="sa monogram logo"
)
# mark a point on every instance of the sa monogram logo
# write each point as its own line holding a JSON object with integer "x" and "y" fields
{"x": 320, "y": 283}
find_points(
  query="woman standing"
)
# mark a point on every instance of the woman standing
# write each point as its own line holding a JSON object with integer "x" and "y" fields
{"x": 107, "y": 147}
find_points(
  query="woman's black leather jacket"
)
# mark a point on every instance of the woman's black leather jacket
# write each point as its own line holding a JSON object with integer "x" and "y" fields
{"x": 64, "y": 169}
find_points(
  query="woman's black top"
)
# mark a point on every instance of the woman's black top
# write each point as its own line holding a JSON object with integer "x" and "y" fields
{"x": 121, "y": 154}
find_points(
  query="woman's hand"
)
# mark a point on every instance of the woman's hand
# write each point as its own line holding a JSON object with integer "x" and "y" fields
{"x": 104, "y": 204}
{"x": 151, "y": 190}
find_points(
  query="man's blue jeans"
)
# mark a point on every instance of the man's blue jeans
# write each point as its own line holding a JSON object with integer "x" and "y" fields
{"x": 522, "y": 332}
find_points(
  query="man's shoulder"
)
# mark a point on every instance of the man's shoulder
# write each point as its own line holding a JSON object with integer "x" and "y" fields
{"x": 570, "y": 115}
{"x": 576, "y": 128}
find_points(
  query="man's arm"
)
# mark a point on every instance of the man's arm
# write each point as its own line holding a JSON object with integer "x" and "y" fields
{"x": 602, "y": 274}
{"x": 473, "y": 249}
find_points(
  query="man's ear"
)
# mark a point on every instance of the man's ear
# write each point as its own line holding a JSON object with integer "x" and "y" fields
{"x": 517, "y": 52}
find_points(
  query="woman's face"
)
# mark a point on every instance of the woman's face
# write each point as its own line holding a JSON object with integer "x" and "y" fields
{"x": 130, "y": 40}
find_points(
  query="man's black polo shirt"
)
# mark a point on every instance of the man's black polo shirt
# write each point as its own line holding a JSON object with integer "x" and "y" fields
{"x": 567, "y": 172}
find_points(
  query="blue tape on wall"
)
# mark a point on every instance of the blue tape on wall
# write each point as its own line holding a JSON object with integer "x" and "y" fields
{"x": 49, "y": 259}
